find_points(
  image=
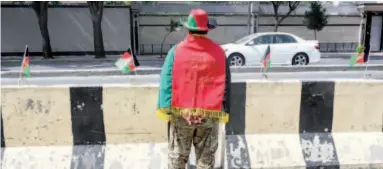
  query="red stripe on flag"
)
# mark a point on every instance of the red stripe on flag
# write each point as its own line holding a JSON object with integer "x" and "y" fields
{"x": 264, "y": 62}
{"x": 126, "y": 55}
{"x": 360, "y": 58}
{"x": 26, "y": 61}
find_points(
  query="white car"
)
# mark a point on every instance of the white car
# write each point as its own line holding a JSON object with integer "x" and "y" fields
{"x": 286, "y": 49}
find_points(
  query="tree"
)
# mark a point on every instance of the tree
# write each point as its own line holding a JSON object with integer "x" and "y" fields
{"x": 278, "y": 19}
{"x": 96, "y": 11}
{"x": 316, "y": 18}
{"x": 41, "y": 10}
{"x": 174, "y": 26}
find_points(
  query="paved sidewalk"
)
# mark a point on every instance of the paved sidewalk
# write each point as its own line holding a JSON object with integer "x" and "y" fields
{"x": 80, "y": 58}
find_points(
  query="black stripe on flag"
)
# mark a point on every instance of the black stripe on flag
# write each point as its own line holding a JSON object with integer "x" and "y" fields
{"x": 315, "y": 125}
{"x": 87, "y": 127}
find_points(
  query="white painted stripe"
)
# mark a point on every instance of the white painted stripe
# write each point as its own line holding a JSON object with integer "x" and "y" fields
{"x": 358, "y": 149}
{"x": 144, "y": 156}
{"x": 364, "y": 150}
{"x": 41, "y": 157}
{"x": 265, "y": 151}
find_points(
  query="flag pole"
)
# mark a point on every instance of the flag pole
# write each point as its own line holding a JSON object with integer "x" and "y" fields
{"x": 262, "y": 71}
{"x": 22, "y": 63}
{"x": 368, "y": 61}
{"x": 135, "y": 72}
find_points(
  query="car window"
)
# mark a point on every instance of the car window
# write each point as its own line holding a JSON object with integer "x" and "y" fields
{"x": 284, "y": 39}
{"x": 262, "y": 40}
{"x": 243, "y": 39}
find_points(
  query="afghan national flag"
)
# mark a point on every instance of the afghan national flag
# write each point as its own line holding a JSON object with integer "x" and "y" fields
{"x": 25, "y": 64}
{"x": 126, "y": 63}
{"x": 355, "y": 59}
{"x": 266, "y": 59}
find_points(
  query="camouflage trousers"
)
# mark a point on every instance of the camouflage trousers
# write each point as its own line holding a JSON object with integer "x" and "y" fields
{"x": 204, "y": 138}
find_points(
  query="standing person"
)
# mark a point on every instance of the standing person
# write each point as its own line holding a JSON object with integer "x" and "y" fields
{"x": 194, "y": 94}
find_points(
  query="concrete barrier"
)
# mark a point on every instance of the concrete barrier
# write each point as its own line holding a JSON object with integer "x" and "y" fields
{"x": 274, "y": 124}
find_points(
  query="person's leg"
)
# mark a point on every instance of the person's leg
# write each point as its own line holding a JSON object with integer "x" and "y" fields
{"x": 180, "y": 139}
{"x": 205, "y": 142}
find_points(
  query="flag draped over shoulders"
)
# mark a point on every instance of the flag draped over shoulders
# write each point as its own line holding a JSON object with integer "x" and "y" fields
{"x": 195, "y": 80}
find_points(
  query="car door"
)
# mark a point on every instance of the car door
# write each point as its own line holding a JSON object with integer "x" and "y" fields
{"x": 283, "y": 49}
{"x": 259, "y": 47}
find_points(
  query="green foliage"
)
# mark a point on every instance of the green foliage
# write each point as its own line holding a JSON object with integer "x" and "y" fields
{"x": 316, "y": 18}
{"x": 55, "y": 3}
{"x": 174, "y": 26}
{"x": 279, "y": 18}
{"x": 119, "y": 3}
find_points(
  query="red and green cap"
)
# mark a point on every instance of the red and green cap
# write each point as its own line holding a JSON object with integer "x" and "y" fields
{"x": 198, "y": 20}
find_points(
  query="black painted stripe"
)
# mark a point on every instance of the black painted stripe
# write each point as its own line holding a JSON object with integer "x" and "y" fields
{"x": 315, "y": 125}
{"x": 235, "y": 128}
{"x": 2, "y": 130}
{"x": 87, "y": 127}
{"x": 2, "y": 137}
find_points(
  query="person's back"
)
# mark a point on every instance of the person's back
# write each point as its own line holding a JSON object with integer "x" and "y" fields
{"x": 200, "y": 73}
{"x": 194, "y": 94}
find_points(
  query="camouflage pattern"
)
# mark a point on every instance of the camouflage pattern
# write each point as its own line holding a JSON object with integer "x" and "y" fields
{"x": 204, "y": 138}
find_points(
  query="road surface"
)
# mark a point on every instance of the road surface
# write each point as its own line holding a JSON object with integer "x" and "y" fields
{"x": 154, "y": 79}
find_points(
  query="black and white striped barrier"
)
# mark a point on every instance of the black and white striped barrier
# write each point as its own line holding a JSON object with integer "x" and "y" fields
{"x": 274, "y": 124}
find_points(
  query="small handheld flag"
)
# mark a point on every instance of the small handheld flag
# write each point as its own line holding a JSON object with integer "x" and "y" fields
{"x": 357, "y": 59}
{"x": 25, "y": 64}
{"x": 126, "y": 63}
{"x": 266, "y": 59}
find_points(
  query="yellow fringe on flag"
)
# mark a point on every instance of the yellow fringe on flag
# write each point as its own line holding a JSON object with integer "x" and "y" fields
{"x": 167, "y": 113}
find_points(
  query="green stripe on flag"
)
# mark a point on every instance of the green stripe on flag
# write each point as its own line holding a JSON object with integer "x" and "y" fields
{"x": 268, "y": 63}
{"x": 126, "y": 69}
{"x": 122, "y": 64}
{"x": 353, "y": 60}
{"x": 27, "y": 71}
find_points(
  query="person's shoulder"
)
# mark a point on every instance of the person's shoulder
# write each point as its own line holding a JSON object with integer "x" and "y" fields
{"x": 216, "y": 46}
{"x": 172, "y": 48}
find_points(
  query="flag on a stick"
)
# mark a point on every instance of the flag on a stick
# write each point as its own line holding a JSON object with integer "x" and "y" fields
{"x": 359, "y": 58}
{"x": 126, "y": 63}
{"x": 266, "y": 59}
{"x": 25, "y": 65}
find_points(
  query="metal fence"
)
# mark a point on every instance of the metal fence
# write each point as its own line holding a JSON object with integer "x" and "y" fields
{"x": 338, "y": 47}
{"x": 155, "y": 49}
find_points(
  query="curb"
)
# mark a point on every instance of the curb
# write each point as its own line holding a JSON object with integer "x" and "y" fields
{"x": 153, "y": 71}
{"x": 140, "y": 58}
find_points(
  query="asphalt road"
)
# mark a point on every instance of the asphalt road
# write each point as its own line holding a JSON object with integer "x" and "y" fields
{"x": 154, "y": 79}
{"x": 100, "y": 64}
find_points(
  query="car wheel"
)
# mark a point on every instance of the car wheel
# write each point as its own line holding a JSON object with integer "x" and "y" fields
{"x": 236, "y": 59}
{"x": 300, "y": 59}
